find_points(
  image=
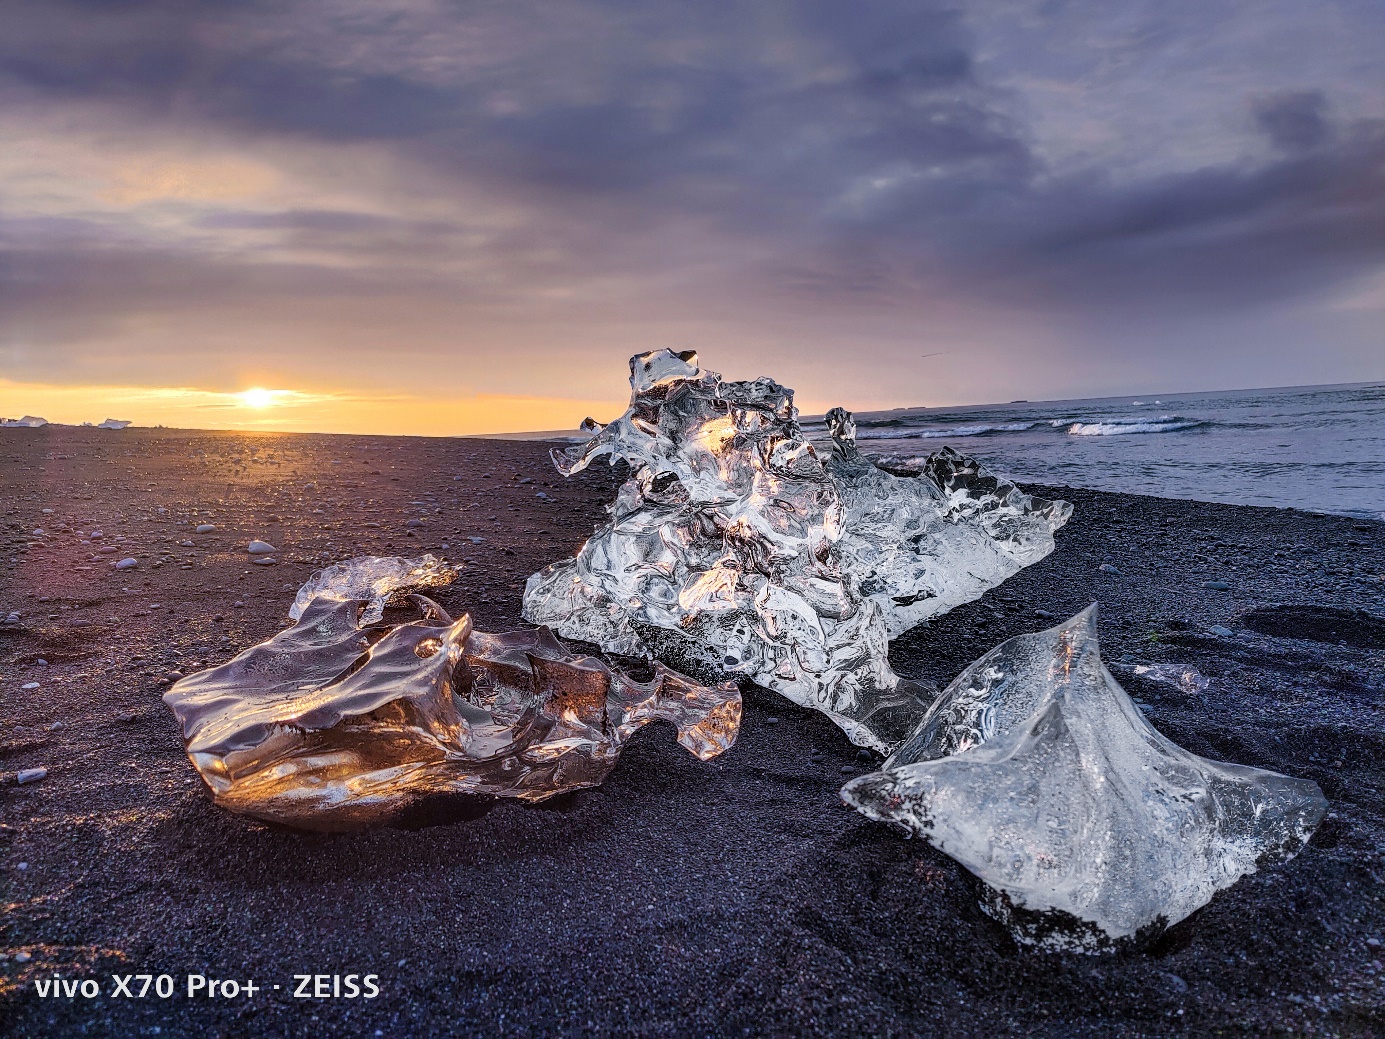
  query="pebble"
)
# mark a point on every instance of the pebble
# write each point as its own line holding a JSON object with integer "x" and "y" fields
{"x": 772, "y": 721}
{"x": 1177, "y": 983}
{"x": 848, "y": 770}
{"x": 1108, "y": 568}
{"x": 41, "y": 662}
{"x": 22, "y": 957}
{"x": 12, "y": 618}
{"x": 1374, "y": 943}
{"x": 413, "y": 523}
{"x": 260, "y": 548}
{"x": 1221, "y": 630}
{"x": 31, "y": 775}
{"x": 29, "y": 685}
{"x": 1044, "y": 614}
{"x": 128, "y": 563}
{"x": 266, "y": 561}
{"x": 1216, "y": 586}
{"x": 185, "y": 544}
{"x": 205, "y": 528}
{"x": 863, "y": 756}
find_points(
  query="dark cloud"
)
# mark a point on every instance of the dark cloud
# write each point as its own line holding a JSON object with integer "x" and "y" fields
{"x": 832, "y": 151}
{"x": 1296, "y": 121}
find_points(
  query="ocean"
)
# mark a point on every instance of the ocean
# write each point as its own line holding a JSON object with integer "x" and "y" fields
{"x": 1318, "y": 448}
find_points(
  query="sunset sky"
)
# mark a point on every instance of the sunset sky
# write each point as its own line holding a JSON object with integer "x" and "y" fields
{"x": 415, "y": 216}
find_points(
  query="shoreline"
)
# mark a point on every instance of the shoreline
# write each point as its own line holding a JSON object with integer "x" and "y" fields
{"x": 679, "y": 897}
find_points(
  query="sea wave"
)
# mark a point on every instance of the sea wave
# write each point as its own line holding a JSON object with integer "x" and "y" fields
{"x": 1119, "y": 427}
{"x": 939, "y": 434}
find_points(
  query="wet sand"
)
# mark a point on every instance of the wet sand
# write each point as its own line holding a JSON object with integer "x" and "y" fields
{"x": 736, "y": 897}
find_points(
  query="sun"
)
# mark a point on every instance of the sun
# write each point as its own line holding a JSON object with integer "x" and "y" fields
{"x": 257, "y": 398}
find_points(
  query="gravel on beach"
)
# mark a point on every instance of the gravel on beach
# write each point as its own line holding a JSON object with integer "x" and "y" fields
{"x": 737, "y": 897}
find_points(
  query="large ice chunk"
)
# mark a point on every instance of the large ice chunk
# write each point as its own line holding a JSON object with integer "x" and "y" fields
{"x": 1036, "y": 771}
{"x": 338, "y": 721}
{"x": 922, "y": 544}
{"x": 733, "y": 550}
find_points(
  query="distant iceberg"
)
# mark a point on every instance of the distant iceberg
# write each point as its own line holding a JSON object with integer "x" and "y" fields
{"x": 114, "y": 423}
{"x": 27, "y": 422}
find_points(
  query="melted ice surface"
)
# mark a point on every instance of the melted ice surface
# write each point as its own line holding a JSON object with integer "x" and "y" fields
{"x": 339, "y": 721}
{"x": 734, "y": 550}
{"x": 1036, "y": 771}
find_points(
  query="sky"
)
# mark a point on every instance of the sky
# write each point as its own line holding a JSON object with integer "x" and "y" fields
{"x": 417, "y": 216}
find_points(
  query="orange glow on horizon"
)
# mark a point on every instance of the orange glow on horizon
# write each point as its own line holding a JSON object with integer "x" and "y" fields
{"x": 297, "y": 411}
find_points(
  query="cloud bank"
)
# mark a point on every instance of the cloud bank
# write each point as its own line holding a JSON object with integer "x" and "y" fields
{"x": 890, "y": 203}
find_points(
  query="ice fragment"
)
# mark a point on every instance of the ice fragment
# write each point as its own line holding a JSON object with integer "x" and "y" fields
{"x": 379, "y": 580}
{"x": 734, "y": 550}
{"x": 340, "y": 721}
{"x": 1036, "y": 771}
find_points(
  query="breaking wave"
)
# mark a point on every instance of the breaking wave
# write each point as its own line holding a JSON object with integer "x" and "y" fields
{"x": 938, "y": 434}
{"x": 1118, "y": 427}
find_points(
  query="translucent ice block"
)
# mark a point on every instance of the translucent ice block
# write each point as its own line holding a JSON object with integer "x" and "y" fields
{"x": 379, "y": 580}
{"x": 734, "y": 551}
{"x": 338, "y": 721}
{"x": 1036, "y": 771}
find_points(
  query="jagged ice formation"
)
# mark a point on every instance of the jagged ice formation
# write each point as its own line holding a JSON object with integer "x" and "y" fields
{"x": 735, "y": 551}
{"x": 1036, "y": 771}
{"x": 343, "y": 719}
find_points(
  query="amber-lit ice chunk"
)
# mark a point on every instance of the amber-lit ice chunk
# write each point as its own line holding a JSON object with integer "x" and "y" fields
{"x": 1036, "y": 771}
{"x": 734, "y": 550}
{"x": 337, "y": 722}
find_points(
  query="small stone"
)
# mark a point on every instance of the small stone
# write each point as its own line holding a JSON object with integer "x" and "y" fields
{"x": 128, "y": 563}
{"x": 1045, "y": 614}
{"x": 772, "y": 720}
{"x": 1107, "y": 568}
{"x": 205, "y": 528}
{"x": 38, "y": 532}
{"x": 55, "y": 726}
{"x": 848, "y": 770}
{"x": 185, "y": 544}
{"x": 863, "y": 756}
{"x": 1216, "y": 586}
{"x": 29, "y": 685}
{"x": 31, "y": 775}
{"x": 266, "y": 560}
{"x": 1221, "y": 631}
{"x": 260, "y": 548}
{"x": 22, "y": 957}
{"x": 1374, "y": 943}
{"x": 41, "y": 661}
{"x": 1177, "y": 983}
{"x": 413, "y": 523}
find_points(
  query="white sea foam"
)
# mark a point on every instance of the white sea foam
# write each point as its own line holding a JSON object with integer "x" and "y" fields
{"x": 942, "y": 434}
{"x": 1163, "y": 424}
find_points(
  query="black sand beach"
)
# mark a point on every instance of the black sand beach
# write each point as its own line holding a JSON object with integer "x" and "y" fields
{"x": 736, "y": 897}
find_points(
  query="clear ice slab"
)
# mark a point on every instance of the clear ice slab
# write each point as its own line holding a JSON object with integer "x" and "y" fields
{"x": 735, "y": 551}
{"x": 1036, "y": 771}
{"x": 341, "y": 721}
